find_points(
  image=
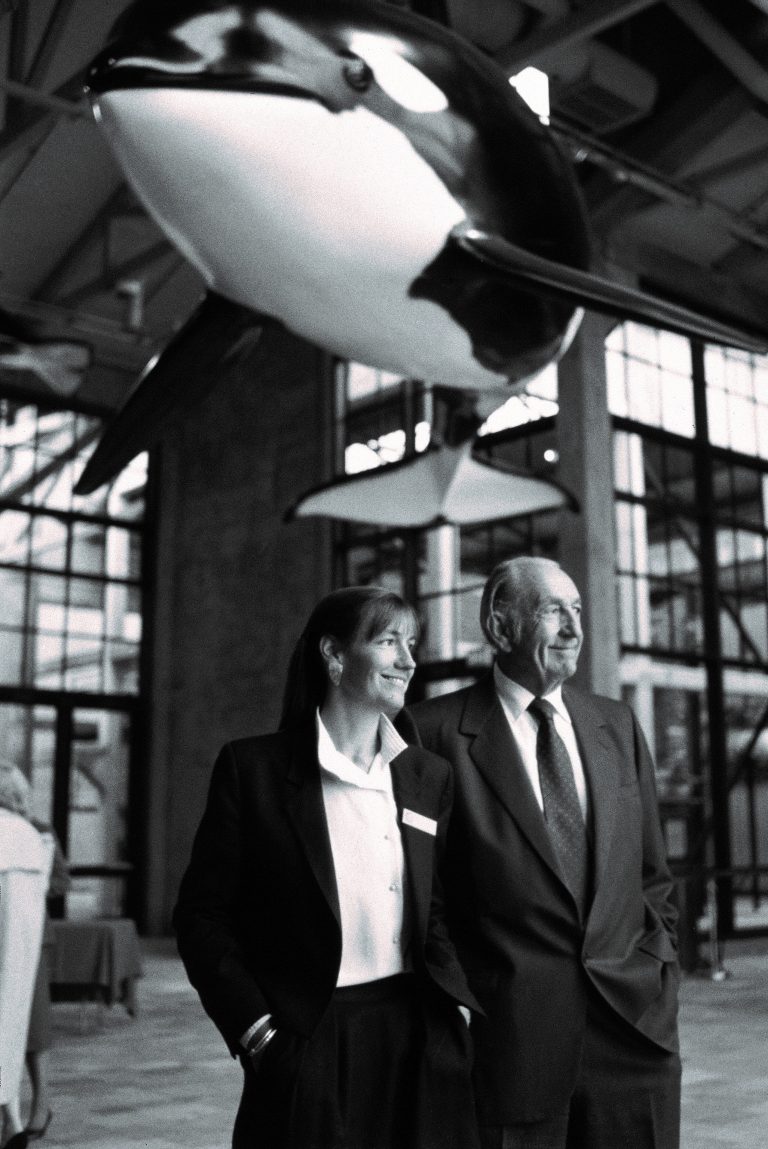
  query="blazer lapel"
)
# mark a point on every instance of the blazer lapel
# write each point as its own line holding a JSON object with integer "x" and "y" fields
{"x": 494, "y": 752}
{"x": 411, "y": 793}
{"x": 598, "y": 757}
{"x": 304, "y": 807}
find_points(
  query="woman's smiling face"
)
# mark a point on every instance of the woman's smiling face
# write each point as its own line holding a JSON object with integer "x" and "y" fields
{"x": 376, "y": 671}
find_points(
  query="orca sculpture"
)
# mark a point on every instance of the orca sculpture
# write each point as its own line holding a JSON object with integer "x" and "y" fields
{"x": 361, "y": 175}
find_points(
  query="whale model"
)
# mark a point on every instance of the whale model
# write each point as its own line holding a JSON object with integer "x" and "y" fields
{"x": 361, "y": 175}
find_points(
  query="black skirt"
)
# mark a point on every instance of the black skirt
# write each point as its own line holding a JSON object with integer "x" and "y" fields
{"x": 387, "y": 1068}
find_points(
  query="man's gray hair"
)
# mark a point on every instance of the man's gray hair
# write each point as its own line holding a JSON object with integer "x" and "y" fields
{"x": 509, "y": 584}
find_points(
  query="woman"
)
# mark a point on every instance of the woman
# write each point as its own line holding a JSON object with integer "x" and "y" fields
{"x": 308, "y": 920}
{"x": 39, "y": 1033}
{"x": 25, "y": 859}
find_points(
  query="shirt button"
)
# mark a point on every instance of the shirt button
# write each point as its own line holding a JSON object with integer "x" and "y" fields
{"x": 386, "y": 837}
{"x": 393, "y": 886}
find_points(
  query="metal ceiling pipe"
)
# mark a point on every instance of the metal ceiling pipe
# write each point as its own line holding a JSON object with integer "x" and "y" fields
{"x": 725, "y": 47}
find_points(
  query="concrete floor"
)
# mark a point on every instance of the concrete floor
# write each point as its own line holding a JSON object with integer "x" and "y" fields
{"x": 165, "y": 1080}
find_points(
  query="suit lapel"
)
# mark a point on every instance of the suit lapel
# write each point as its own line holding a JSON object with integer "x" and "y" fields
{"x": 411, "y": 793}
{"x": 303, "y": 799}
{"x": 495, "y": 754}
{"x": 598, "y": 756}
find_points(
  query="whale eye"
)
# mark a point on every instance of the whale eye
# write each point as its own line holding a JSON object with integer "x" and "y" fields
{"x": 396, "y": 75}
{"x": 357, "y": 74}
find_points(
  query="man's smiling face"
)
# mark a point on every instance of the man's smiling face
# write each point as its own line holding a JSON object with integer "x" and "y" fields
{"x": 541, "y": 630}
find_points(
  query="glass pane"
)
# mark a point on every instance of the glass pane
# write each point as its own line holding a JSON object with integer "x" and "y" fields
{"x": 84, "y": 669}
{"x": 49, "y": 542}
{"x": 617, "y": 397}
{"x": 88, "y": 545}
{"x": 121, "y": 665}
{"x": 743, "y": 430}
{"x": 118, "y": 552}
{"x": 674, "y": 353}
{"x": 98, "y": 804}
{"x": 14, "y": 537}
{"x": 677, "y": 405}
{"x": 47, "y": 591}
{"x": 11, "y": 650}
{"x": 12, "y": 585}
{"x": 87, "y": 594}
{"x": 49, "y": 660}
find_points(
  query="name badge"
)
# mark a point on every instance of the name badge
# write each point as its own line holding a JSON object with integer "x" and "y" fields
{"x": 420, "y": 822}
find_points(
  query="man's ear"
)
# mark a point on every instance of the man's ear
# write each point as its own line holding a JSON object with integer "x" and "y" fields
{"x": 497, "y": 629}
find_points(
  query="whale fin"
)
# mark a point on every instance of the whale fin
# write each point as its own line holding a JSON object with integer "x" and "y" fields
{"x": 218, "y": 332}
{"x": 593, "y": 291}
{"x": 441, "y": 485}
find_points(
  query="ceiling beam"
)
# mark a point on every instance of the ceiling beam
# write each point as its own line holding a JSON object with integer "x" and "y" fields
{"x": 76, "y": 109}
{"x": 28, "y": 130}
{"x": 17, "y": 46}
{"x": 723, "y": 46}
{"x": 735, "y": 166}
{"x": 629, "y": 172}
{"x": 94, "y": 230}
{"x": 125, "y": 268}
{"x": 49, "y": 42}
{"x": 669, "y": 142}
{"x": 699, "y": 287}
{"x": 559, "y": 34}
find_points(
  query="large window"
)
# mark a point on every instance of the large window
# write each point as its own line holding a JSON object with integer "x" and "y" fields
{"x": 70, "y": 634}
{"x": 70, "y": 614}
{"x": 691, "y": 478}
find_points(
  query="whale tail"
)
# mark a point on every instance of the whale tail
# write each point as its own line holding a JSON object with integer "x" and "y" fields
{"x": 585, "y": 289}
{"x": 441, "y": 485}
{"x": 218, "y": 334}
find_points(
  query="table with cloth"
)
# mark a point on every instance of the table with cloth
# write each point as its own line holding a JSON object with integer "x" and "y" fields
{"x": 99, "y": 960}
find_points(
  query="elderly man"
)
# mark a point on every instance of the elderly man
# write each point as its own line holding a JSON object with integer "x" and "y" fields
{"x": 557, "y": 886}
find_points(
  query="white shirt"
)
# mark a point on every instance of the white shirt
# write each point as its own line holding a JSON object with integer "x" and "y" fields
{"x": 515, "y": 700}
{"x": 367, "y": 857}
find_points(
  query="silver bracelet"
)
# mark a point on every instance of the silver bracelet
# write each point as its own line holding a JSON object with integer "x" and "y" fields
{"x": 261, "y": 1044}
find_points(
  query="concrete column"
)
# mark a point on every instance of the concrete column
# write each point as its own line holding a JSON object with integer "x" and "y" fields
{"x": 438, "y": 581}
{"x": 586, "y": 540}
{"x": 233, "y": 583}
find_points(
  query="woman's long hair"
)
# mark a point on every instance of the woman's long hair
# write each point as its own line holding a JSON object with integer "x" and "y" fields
{"x": 366, "y": 611}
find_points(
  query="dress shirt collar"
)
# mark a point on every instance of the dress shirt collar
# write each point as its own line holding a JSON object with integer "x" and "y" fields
{"x": 516, "y": 698}
{"x": 336, "y": 763}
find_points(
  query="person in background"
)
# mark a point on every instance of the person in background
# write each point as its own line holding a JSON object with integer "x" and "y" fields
{"x": 25, "y": 861}
{"x": 39, "y": 1033}
{"x": 308, "y": 919}
{"x": 557, "y": 888}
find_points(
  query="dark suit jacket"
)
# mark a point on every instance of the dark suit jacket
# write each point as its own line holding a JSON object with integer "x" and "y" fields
{"x": 528, "y": 957}
{"x": 257, "y": 917}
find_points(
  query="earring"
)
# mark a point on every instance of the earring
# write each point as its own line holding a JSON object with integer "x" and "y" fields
{"x": 334, "y": 673}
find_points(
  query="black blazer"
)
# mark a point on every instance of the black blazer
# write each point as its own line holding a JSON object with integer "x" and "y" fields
{"x": 528, "y": 957}
{"x": 257, "y": 917}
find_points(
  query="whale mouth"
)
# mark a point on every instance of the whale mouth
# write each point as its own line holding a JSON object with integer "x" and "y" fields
{"x": 133, "y": 75}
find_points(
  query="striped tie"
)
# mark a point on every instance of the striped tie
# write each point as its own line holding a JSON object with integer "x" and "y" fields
{"x": 562, "y": 811}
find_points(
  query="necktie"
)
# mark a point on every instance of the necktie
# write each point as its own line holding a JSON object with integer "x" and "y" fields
{"x": 562, "y": 811}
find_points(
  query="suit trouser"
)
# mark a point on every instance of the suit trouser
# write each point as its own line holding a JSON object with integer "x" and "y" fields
{"x": 627, "y": 1095}
{"x": 387, "y": 1068}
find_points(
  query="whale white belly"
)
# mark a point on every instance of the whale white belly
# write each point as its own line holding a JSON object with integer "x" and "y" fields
{"x": 320, "y": 219}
